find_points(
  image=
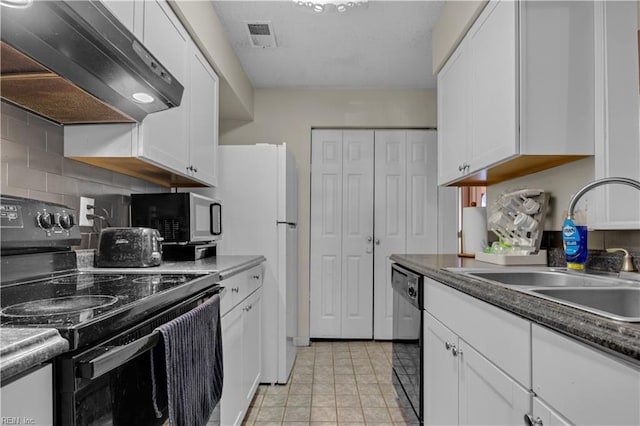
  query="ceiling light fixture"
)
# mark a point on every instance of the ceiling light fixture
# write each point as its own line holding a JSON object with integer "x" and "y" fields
{"x": 320, "y": 6}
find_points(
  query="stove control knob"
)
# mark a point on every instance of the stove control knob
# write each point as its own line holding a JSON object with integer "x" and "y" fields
{"x": 45, "y": 220}
{"x": 66, "y": 221}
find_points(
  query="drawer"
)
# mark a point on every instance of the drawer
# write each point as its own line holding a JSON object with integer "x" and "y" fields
{"x": 500, "y": 336}
{"x": 239, "y": 286}
{"x": 585, "y": 385}
{"x": 236, "y": 290}
{"x": 255, "y": 278}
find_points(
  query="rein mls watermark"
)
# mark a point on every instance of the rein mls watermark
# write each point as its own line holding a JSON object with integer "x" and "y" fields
{"x": 17, "y": 421}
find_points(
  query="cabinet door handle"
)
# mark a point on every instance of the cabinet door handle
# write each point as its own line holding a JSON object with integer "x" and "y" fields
{"x": 256, "y": 277}
{"x": 377, "y": 241}
{"x": 235, "y": 289}
{"x": 195, "y": 169}
{"x": 448, "y": 346}
{"x": 455, "y": 351}
{"x": 461, "y": 167}
{"x": 530, "y": 421}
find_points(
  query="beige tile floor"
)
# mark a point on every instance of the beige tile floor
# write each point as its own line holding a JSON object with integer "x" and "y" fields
{"x": 332, "y": 383}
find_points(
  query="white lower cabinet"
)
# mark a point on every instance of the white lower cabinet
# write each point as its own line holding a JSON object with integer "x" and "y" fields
{"x": 232, "y": 401}
{"x": 241, "y": 343}
{"x": 251, "y": 347}
{"x": 477, "y": 364}
{"x": 487, "y": 395}
{"x": 463, "y": 387}
{"x": 29, "y": 399}
{"x": 441, "y": 370}
{"x": 484, "y": 365}
{"x": 581, "y": 384}
{"x": 545, "y": 414}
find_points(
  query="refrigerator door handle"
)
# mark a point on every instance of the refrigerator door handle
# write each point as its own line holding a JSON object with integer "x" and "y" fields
{"x": 289, "y": 224}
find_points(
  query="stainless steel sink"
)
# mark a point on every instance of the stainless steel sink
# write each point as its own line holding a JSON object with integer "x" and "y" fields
{"x": 611, "y": 297}
{"x": 620, "y": 303}
{"x": 543, "y": 278}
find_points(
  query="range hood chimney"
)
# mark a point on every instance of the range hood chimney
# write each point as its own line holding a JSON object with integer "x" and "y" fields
{"x": 74, "y": 63}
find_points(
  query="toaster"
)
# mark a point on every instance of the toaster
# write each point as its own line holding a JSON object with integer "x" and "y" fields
{"x": 129, "y": 248}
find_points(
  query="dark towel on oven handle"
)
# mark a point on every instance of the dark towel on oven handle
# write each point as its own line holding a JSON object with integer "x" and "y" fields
{"x": 190, "y": 356}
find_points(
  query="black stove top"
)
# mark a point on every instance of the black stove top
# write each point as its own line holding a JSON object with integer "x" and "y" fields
{"x": 85, "y": 307}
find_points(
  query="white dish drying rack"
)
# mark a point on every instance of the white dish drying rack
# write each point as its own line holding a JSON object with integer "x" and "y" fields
{"x": 517, "y": 218}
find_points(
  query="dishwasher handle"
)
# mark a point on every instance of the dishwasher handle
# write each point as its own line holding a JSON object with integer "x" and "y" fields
{"x": 107, "y": 357}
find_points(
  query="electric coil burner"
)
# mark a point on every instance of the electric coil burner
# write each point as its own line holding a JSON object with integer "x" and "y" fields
{"x": 108, "y": 319}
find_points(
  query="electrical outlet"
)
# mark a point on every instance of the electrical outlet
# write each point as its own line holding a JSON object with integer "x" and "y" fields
{"x": 84, "y": 202}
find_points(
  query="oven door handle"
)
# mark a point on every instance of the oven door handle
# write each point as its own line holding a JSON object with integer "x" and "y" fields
{"x": 112, "y": 357}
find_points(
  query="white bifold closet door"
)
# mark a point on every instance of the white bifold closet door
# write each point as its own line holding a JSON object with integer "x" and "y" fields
{"x": 373, "y": 193}
{"x": 342, "y": 234}
{"x": 406, "y": 209}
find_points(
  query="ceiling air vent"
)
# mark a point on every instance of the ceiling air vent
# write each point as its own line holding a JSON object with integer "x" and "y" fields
{"x": 261, "y": 34}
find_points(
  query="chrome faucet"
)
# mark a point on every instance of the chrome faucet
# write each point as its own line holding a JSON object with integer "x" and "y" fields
{"x": 604, "y": 181}
{"x": 628, "y": 265}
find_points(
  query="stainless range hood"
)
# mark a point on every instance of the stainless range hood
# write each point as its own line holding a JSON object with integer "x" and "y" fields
{"x": 74, "y": 62}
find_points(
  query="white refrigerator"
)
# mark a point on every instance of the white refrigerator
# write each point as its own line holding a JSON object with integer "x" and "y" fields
{"x": 258, "y": 187}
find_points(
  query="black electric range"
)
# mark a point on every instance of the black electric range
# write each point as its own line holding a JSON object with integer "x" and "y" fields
{"x": 110, "y": 319}
{"x": 86, "y": 307}
{"x": 41, "y": 287}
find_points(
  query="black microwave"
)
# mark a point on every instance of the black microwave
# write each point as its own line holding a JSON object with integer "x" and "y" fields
{"x": 181, "y": 217}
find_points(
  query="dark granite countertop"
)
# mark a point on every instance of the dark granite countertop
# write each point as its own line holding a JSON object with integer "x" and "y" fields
{"x": 225, "y": 266}
{"x": 23, "y": 348}
{"x": 615, "y": 337}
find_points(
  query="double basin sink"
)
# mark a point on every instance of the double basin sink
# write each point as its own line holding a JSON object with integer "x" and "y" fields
{"x": 611, "y": 297}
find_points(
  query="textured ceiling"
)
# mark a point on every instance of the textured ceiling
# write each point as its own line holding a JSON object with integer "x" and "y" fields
{"x": 386, "y": 44}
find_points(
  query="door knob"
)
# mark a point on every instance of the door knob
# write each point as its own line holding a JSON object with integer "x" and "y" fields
{"x": 377, "y": 241}
{"x": 530, "y": 421}
{"x": 369, "y": 247}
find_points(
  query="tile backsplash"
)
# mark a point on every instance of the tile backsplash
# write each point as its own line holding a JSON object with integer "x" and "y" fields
{"x": 33, "y": 166}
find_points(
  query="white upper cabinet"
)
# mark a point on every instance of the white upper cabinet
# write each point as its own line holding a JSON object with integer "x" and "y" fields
{"x": 453, "y": 116}
{"x": 176, "y": 147}
{"x": 203, "y": 119}
{"x": 124, "y": 11}
{"x": 166, "y": 131}
{"x": 492, "y": 69}
{"x": 617, "y": 134}
{"x": 517, "y": 95}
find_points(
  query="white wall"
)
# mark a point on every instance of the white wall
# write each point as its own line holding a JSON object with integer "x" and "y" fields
{"x": 561, "y": 182}
{"x": 288, "y": 115}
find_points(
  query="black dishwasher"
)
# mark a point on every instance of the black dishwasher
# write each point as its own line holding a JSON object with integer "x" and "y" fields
{"x": 407, "y": 341}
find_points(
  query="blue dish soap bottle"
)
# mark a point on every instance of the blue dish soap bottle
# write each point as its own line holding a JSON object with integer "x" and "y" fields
{"x": 574, "y": 237}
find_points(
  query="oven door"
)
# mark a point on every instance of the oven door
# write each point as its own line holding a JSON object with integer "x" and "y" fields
{"x": 205, "y": 219}
{"x": 407, "y": 341}
{"x": 111, "y": 384}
